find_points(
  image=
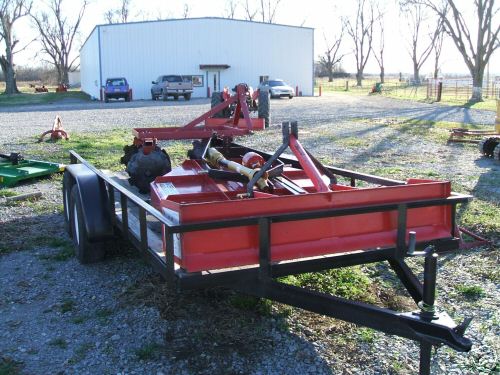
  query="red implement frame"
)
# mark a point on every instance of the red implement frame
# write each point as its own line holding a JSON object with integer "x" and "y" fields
{"x": 205, "y": 126}
{"x": 189, "y": 195}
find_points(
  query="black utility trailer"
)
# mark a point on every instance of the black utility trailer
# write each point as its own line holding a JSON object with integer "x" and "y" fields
{"x": 98, "y": 207}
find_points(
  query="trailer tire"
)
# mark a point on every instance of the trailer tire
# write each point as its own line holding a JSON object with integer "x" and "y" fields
{"x": 264, "y": 107}
{"x": 85, "y": 251}
{"x": 67, "y": 186}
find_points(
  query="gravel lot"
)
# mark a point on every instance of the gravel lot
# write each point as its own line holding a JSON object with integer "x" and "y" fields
{"x": 59, "y": 317}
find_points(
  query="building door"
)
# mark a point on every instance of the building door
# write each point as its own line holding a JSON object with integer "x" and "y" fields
{"x": 216, "y": 81}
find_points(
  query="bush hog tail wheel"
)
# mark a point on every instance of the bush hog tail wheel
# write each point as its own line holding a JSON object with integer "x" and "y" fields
{"x": 85, "y": 251}
{"x": 144, "y": 168}
{"x": 128, "y": 152}
{"x": 68, "y": 183}
{"x": 264, "y": 107}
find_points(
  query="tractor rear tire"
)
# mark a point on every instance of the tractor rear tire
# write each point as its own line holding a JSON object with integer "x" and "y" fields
{"x": 85, "y": 251}
{"x": 67, "y": 186}
{"x": 143, "y": 169}
{"x": 216, "y": 99}
{"x": 264, "y": 107}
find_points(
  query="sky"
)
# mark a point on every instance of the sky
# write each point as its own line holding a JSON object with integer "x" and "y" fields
{"x": 322, "y": 15}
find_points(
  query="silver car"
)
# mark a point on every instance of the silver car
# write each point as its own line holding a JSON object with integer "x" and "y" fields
{"x": 277, "y": 88}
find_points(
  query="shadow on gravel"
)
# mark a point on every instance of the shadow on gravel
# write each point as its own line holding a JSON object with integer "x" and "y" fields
{"x": 26, "y": 233}
{"x": 223, "y": 332}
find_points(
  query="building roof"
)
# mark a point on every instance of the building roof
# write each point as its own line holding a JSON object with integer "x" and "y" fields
{"x": 192, "y": 19}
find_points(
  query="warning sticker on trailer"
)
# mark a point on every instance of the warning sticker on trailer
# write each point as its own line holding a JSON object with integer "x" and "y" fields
{"x": 167, "y": 188}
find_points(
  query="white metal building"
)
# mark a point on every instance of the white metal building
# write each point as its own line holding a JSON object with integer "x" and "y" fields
{"x": 215, "y": 52}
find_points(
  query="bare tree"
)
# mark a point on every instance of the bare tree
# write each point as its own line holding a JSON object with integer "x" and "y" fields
{"x": 185, "y": 13}
{"x": 57, "y": 35}
{"x": 486, "y": 34}
{"x": 250, "y": 13}
{"x": 361, "y": 33}
{"x": 267, "y": 10}
{"x": 417, "y": 20}
{"x": 438, "y": 48}
{"x": 331, "y": 57}
{"x": 119, "y": 15}
{"x": 10, "y": 12}
{"x": 230, "y": 11}
{"x": 379, "y": 54}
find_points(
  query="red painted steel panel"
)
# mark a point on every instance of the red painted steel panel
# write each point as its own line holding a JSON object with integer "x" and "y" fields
{"x": 197, "y": 198}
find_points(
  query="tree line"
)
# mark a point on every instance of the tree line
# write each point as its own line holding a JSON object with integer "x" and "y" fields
{"x": 429, "y": 22}
{"x": 476, "y": 38}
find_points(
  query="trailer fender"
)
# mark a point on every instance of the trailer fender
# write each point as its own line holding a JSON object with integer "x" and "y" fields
{"x": 95, "y": 203}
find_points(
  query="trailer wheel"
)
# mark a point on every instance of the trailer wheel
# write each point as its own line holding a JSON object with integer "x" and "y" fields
{"x": 85, "y": 251}
{"x": 143, "y": 169}
{"x": 264, "y": 107}
{"x": 67, "y": 186}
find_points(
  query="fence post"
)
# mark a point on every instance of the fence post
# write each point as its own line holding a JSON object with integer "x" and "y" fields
{"x": 346, "y": 85}
{"x": 320, "y": 89}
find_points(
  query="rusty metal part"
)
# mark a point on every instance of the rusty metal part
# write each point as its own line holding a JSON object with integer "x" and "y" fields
{"x": 57, "y": 131}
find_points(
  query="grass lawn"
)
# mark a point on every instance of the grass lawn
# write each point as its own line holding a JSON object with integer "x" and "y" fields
{"x": 29, "y": 97}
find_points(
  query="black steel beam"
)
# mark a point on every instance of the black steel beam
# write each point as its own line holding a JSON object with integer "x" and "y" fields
{"x": 408, "y": 325}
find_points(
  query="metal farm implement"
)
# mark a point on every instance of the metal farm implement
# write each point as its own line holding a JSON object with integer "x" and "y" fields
{"x": 241, "y": 218}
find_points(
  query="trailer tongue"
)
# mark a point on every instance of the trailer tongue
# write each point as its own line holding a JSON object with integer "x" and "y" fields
{"x": 241, "y": 218}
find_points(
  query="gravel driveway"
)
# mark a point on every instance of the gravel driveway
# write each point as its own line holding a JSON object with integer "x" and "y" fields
{"x": 59, "y": 317}
{"x": 33, "y": 120}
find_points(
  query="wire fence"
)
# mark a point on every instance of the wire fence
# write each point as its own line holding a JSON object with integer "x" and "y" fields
{"x": 452, "y": 89}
